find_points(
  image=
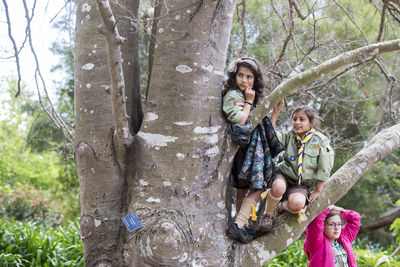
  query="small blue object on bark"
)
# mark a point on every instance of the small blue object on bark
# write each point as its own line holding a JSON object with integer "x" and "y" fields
{"x": 132, "y": 222}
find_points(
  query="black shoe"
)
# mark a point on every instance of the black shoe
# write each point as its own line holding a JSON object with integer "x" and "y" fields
{"x": 254, "y": 231}
{"x": 240, "y": 234}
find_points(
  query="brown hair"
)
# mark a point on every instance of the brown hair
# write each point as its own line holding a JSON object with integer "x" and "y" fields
{"x": 334, "y": 213}
{"x": 311, "y": 115}
{"x": 259, "y": 82}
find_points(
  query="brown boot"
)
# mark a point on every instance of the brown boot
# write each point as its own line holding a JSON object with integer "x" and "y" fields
{"x": 265, "y": 224}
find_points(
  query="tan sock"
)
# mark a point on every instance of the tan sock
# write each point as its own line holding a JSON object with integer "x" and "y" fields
{"x": 238, "y": 203}
{"x": 243, "y": 215}
{"x": 271, "y": 204}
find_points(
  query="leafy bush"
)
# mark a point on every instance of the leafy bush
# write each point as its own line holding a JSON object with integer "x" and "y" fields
{"x": 25, "y": 203}
{"x": 26, "y": 244}
{"x": 293, "y": 255}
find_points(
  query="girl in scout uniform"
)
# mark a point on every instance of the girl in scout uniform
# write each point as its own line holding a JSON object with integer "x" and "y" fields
{"x": 307, "y": 163}
{"x": 242, "y": 90}
{"x": 328, "y": 239}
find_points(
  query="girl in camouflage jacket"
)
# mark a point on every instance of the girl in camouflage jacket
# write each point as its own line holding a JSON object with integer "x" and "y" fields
{"x": 242, "y": 90}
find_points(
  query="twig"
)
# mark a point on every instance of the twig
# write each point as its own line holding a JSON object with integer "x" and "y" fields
{"x": 352, "y": 20}
{"x": 279, "y": 15}
{"x": 59, "y": 11}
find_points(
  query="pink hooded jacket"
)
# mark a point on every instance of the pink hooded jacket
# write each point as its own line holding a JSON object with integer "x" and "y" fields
{"x": 318, "y": 247}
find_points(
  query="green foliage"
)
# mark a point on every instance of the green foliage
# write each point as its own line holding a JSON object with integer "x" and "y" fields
{"x": 293, "y": 255}
{"x": 26, "y": 244}
{"x": 31, "y": 151}
{"x": 395, "y": 227}
{"x": 368, "y": 255}
{"x": 18, "y": 164}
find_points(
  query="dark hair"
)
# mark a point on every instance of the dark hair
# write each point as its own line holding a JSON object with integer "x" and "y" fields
{"x": 311, "y": 115}
{"x": 259, "y": 83}
{"x": 334, "y": 213}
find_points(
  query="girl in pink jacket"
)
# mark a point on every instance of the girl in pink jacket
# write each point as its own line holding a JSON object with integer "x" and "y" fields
{"x": 329, "y": 237}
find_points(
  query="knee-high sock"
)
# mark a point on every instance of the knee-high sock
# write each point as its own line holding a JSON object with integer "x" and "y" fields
{"x": 238, "y": 203}
{"x": 271, "y": 204}
{"x": 243, "y": 215}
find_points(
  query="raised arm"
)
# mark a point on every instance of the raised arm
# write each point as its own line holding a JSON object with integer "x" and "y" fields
{"x": 352, "y": 219}
{"x": 315, "y": 233}
{"x": 275, "y": 113}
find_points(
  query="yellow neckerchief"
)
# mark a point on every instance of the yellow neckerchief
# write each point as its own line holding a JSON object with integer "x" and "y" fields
{"x": 306, "y": 138}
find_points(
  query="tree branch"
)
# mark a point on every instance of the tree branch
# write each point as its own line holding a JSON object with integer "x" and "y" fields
{"x": 382, "y": 220}
{"x": 392, "y": 10}
{"x": 114, "y": 59}
{"x": 344, "y": 59}
{"x": 382, "y": 25}
{"x": 287, "y": 227}
{"x": 298, "y": 10}
{"x": 288, "y": 37}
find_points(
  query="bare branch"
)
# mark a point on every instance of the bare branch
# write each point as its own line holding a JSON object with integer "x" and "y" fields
{"x": 298, "y": 10}
{"x": 395, "y": 252}
{"x": 279, "y": 15}
{"x": 114, "y": 40}
{"x": 59, "y": 11}
{"x": 352, "y": 20}
{"x": 288, "y": 37}
{"x": 344, "y": 59}
{"x": 16, "y": 53}
{"x": 392, "y": 9}
{"x": 52, "y": 113}
{"x": 337, "y": 75}
{"x": 385, "y": 4}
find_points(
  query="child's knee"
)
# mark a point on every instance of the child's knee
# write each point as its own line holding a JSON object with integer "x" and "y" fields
{"x": 296, "y": 204}
{"x": 278, "y": 188}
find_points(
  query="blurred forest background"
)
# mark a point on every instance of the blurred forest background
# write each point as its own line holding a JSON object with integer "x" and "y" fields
{"x": 39, "y": 208}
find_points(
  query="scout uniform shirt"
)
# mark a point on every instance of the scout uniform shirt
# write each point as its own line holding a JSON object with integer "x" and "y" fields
{"x": 233, "y": 105}
{"x": 317, "y": 158}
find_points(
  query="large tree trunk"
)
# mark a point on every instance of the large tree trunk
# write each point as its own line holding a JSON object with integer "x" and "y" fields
{"x": 179, "y": 185}
{"x": 100, "y": 170}
{"x": 178, "y": 163}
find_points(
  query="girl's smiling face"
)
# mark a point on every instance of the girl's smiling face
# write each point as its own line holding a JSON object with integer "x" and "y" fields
{"x": 333, "y": 228}
{"x": 301, "y": 123}
{"x": 244, "y": 78}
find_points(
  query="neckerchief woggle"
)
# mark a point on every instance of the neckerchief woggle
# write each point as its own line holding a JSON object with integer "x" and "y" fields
{"x": 303, "y": 141}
